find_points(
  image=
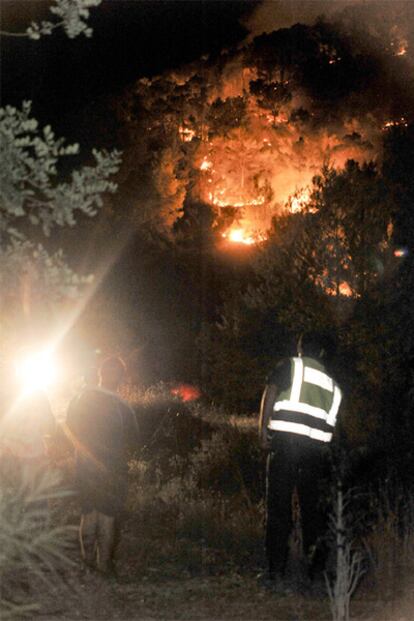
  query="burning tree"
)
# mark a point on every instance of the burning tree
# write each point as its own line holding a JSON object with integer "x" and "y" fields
{"x": 243, "y": 135}
{"x": 253, "y": 127}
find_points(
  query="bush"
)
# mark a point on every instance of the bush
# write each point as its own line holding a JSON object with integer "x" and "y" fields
{"x": 32, "y": 550}
{"x": 199, "y": 507}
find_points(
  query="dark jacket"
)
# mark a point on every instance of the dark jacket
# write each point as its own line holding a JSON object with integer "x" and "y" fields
{"x": 100, "y": 425}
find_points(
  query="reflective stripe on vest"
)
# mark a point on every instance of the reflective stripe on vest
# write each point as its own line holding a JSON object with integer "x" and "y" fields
{"x": 307, "y": 374}
{"x": 303, "y": 430}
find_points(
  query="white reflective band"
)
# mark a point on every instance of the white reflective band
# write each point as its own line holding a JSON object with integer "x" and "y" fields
{"x": 297, "y": 379}
{"x": 303, "y": 430}
{"x": 333, "y": 412}
{"x": 313, "y": 376}
{"x": 303, "y": 408}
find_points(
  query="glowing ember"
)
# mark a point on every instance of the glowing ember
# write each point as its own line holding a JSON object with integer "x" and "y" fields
{"x": 402, "y": 122}
{"x": 206, "y": 164}
{"x": 399, "y": 43}
{"x": 186, "y": 133}
{"x": 186, "y": 392}
{"x": 279, "y": 119}
{"x": 222, "y": 202}
{"x": 401, "y": 52}
{"x": 345, "y": 289}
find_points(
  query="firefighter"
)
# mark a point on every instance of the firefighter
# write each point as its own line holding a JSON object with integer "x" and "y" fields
{"x": 298, "y": 413}
{"x": 100, "y": 425}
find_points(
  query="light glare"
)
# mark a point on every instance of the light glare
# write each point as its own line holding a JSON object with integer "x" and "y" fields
{"x": 36, "y": 371}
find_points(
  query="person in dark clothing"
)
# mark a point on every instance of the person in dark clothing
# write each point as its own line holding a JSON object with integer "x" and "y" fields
{"x": 297, "y": 418}
{"x": 100, "y": 425}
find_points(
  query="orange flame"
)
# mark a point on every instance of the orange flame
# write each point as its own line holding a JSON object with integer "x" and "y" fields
{"x": 298, "y": 201}
{"x": 186, "y": 392}
{"x": 401, "y": 122}
{"x": 401, "y": 52}
{"x": 186, "y": 133}
{"x": 243, "y": 236}
{"x": 222, "y": 202}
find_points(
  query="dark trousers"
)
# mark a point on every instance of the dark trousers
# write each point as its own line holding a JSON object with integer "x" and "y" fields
{"x": 294, "y": 461}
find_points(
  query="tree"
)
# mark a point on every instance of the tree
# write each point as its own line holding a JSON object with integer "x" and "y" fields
{"x": 33, "y": 202}
{"x": 224, "y": 116}
{"x": 322, "y": 268}
{"x": 73, "y": 16}
{"x": 352, "y": 211}
{"x": 36, "y": 195}
{"x": 270, "y": 95}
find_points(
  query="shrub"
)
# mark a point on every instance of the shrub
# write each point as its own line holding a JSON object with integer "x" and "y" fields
{"x": 200, "y": 505}
{"x": 31, "y": 548}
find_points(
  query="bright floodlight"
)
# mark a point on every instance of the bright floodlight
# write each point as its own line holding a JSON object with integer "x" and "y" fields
{"x": 36, "y": 371}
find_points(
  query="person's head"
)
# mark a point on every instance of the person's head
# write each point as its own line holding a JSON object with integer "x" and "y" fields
{"x": 112, "y": 372}
{"x": 91, "y": 376}
{"x": 315, "y": 345}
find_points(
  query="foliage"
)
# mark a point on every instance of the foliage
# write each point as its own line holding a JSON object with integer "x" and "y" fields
{"x": 72, "y": 16}
{"x": 33, "y": 551}
{"x": 349, "y": 562}
{"x": 33, "y": 201}
{"x": 270, "y": 95}
{"x": 51, "y": 279}
{"x": 170, "y": 188}
{"x": 223, "y": 116}
{"x": 28, "y": 189}
{"x": 207, "y": 487}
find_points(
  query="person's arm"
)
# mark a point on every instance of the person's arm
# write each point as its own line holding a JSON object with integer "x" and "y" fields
{"x": 266, "y": 409}
{"x": 278, "y": 381}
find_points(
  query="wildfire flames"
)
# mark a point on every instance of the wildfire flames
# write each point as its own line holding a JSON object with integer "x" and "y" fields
{"x": 234, "y": 202}
{"x": 401, "y": 122}
{"x": 399, "y": 44}
{"x": 257, "y": 133}
{"x": 186, "y": 392}
{"x": 401, "y": 51}
{"x": 186, "y": 133}
{"x": 239, "y": 236}
{"x": 298, "y": 201}
{"x": 267, "y": 165}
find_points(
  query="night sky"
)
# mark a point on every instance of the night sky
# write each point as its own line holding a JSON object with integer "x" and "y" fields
{"x": 131, "y": 39}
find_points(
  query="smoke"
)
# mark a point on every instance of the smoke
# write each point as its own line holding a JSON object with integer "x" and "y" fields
{"x": 274, "y": 14}
{"x": 370, "y": 15}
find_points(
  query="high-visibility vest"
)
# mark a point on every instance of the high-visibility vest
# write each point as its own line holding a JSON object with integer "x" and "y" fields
{"x": 310, "y": 405}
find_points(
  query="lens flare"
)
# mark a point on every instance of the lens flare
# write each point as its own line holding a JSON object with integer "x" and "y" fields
{"x": 36, "y": 371}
